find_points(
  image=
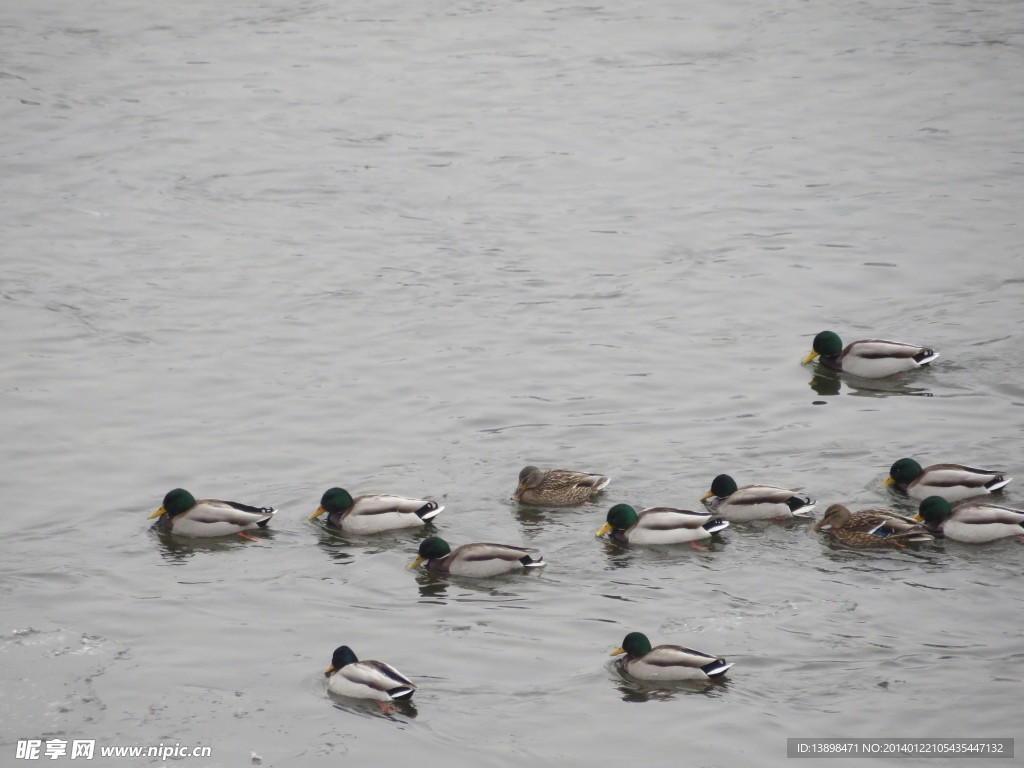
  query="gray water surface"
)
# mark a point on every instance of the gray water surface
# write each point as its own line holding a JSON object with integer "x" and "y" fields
{"x": 259, "y": 249}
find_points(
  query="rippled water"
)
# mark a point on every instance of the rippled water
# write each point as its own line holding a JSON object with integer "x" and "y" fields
{"x": 260, "y": 249}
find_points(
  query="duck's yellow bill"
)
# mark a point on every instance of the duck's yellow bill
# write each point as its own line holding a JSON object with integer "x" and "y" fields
{"x": 617, "y": 651}
{"x": 706, "y": 496}
{"x": 319, "y": 511}
{"x": 604, "y": 529}
{"x": 917, "y": 518}
{"x": 888, "y": 481}
{"x": 415, "y": 563}
{"x": 809, "y": 357}
{"x": 157, "y": 513}
{"x": 329, "y": 670}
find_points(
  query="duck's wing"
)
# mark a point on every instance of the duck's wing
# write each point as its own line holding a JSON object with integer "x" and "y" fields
{"x": 670, "y": 518}
{"x": 233, "y": 512}
{"x": 980, "y": 513}
{"x": 950, "y": 475}
{"x": 753, "y": 495}
{"x": 380, "y": 677}
{"x": 678, "y": 656}
{"x": 379, "y": 504}
{"x": 484, "y": 551}
{"x": 567, "y": 478}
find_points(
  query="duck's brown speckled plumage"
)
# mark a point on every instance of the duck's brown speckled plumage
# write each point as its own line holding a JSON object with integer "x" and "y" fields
{"x": 870, "y": 527}
{"x": 557, "y": 487}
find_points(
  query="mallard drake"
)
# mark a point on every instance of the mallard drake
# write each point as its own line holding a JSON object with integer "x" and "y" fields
{"x": 660, "y": 525}
{"x": 479, "y": 560}
{"x": 870, "y": 527}
{"x": 868, "y": 358}
{"x": 975, "y": 522}
{"x": 952, "y": 482}
{"x": 754, "y": 502}
{"x": 557, "y": 487}
{"x": 374, "y": 513}
{"x": 348, "y": 676}
{"x": 182, "y": 514}
{"x": 667, "y": 662}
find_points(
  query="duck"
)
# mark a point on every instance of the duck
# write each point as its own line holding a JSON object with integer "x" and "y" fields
{"x": 974, "y": 522}
{"x": 755, "y": 502}
{"x": 375, "y": 512}
{"x": 868, "y": 358}
{"x": 557, "y": 487}
{"x": 870, "y": 527}
{"x": 953, "y": 482}
{"x": 180, "y": 513}
{"x": 667, "y": 662}
{"x": 660, "y": 525}
{"x": 479, "y": 560}
{"x": 348, "y": 676}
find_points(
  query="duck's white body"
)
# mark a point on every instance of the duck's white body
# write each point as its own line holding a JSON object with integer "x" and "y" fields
{"x": 382, "y": 512}
{"x": 976, "y": 522}
{"x": 878, "y": 358}
{"x": 760, "y": 502}
{"x": 675, "y": 662}
{"x": 667, "y": 525}
{"x": 212, "y": 517}
{"x": 482, "y": 560}
{"x": 370, "y": 680}
{"x": 956, "y": 482}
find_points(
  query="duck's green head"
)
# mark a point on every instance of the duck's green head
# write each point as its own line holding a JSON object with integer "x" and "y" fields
{"x": 828, "y": 344}
{"x": 903, "y": 472}
{"x": 620, "y": 517}
{"x": 934, "y": 510}
{"x": 721, "y": 486}
{"x": 434, "y": 547}
{"x": 175, "y": 503}
{"x": 634, "y": 644}
{"x": 333, "y": 500}
{"x": 342, "y": 655}
{"x": 431, "y": 548}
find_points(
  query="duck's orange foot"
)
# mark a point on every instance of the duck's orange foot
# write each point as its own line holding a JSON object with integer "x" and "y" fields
{"x": 245, "y": 536}
{"x": 697, "y": 546}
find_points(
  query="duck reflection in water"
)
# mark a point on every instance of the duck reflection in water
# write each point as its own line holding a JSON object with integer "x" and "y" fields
{"x": 636, "y": 691}
{"x": 178, "y": 549}
{"x": 369, "y": 708}
{"x": 829, "y": 383}
{"x": 441, "y": 589}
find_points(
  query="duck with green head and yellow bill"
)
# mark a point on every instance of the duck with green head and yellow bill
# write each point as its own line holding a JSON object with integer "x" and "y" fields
{"x": 868, "y": 358}
{"x": 972, "y": 522}
{"x": 557, "y": 487}
{"x": 183, "y": 515}
{"x": 478, "y": 560}
{"x": 953, "y": 482}
{"x": 375, "y": 512}
{"x": 755, "y": 502}
{"x": 870, "y": 527}
{"x": 667, "y": 662}
{"x": 348, "y": 676}
{"x": 660, "y": 525}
